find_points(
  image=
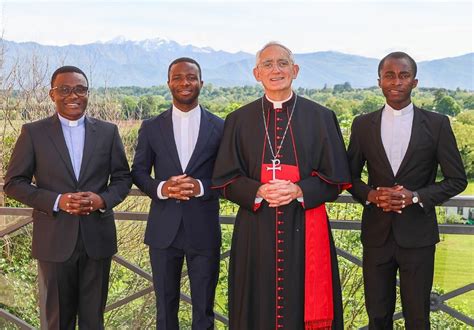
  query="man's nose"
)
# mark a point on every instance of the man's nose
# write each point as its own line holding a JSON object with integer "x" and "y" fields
{"x": 397, "y": 81}
{"x": 275, "y": 67}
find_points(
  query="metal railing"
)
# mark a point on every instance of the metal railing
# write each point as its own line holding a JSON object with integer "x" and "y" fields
{"x": 438, "y": 302}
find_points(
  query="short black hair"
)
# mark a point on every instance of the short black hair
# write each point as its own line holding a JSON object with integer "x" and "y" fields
{"x": 398, "y": 55}
{"x": 185, "y": 59}
{"x": 65, "y": 69}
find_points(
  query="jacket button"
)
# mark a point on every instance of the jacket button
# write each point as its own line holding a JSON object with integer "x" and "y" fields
{"x": 177, "y": 202}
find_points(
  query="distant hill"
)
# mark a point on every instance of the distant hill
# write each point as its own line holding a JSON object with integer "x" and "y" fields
{"x": 121, "y": 62}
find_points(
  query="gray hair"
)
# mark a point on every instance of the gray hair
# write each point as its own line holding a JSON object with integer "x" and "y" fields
{"x": 274, "y": 43}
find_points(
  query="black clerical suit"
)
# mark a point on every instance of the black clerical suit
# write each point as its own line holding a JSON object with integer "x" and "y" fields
{"x": 406, "y": 240}
{"x": 73, "y": 252}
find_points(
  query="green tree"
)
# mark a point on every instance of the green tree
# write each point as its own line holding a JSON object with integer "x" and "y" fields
{"x": 339, "y": 88}
{"x": 469, "y": 102}
{"x": 129, "y": 107}
{"x": 447, "y": 105}
{"x": 439, "y": 94}
{"x": 465, "y": 142}
{"x": 371, "y": 103}
{"x": 151, "y": 105}
{"x": 340, "y": 106}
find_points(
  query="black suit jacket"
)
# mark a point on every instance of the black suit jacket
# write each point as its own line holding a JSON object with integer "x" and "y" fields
{"x": 41, "y": 152}
{"x": 156, "y": 150}
{"x": 432, "y": 143}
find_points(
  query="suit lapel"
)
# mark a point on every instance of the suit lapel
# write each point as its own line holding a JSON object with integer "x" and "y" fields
{"x": 205, "y": 131}
{"x": 415, "y": 137}
{"x": 166, "y": 129}
{"x": 55, "y": 133}
{"x": 377, "y": 138}
{"x": 90, "y": 140}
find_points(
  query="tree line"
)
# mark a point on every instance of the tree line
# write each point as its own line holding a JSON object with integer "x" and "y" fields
{"x": 145, "y": 102}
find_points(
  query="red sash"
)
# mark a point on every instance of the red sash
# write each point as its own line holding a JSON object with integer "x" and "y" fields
{"x": 318, "y": 307}
{"x": 318, "y": 297}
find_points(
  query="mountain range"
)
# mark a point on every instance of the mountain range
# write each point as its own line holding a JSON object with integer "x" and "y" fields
{"x": 121, "y": 62}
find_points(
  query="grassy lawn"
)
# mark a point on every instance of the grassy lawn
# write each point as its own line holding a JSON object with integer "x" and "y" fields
{"x": 470, "y": 188}
{"x": 454, "y": 267}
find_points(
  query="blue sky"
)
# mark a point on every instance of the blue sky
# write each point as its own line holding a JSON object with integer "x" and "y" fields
{"x": 425, "y": 29}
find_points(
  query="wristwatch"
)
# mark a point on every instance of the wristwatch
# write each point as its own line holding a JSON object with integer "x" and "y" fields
{"x": 415, "y": 199}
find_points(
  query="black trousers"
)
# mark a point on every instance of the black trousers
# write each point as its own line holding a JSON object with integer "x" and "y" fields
{"x": 74, "y": 289}
{"x": 416, "y": 266}
{"x": 203, "y": 272}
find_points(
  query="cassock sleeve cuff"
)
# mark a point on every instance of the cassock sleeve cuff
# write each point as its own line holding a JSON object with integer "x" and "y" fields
{"x": 256, "y": 206}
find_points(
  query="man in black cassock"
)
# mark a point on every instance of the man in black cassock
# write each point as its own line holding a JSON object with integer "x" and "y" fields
{"x": 281, "y": 158}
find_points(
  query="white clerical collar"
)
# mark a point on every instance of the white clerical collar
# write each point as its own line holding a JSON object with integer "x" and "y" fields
{"x": 279, "y": 104}
{"x": 184, "y": 114}
{"x": 402, "y": 112}
{"x": 71, "y": 123}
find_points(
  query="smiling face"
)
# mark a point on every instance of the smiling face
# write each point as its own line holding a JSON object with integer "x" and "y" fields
{"x": 71, "y": 106}
{"x": 397, "y": 80}
{"x": 276, "y": 71}
{"x": 185, "y": 85}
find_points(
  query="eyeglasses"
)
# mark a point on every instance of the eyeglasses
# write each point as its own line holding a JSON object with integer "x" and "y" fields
{"x": 64, "y": 91}
{"x": 269, "y": 65}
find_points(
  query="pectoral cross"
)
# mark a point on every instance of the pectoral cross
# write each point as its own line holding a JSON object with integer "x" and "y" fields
{"x": 275, "y": 167}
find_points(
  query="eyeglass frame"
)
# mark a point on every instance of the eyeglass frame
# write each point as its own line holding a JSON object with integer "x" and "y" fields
{"x": 269, "y": 65}
{"x": 72, "y": 90}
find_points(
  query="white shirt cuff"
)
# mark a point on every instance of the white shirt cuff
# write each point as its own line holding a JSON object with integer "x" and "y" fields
{"x": 201, "y": 193}
{"x": 56, "y": 204}
{"x": 158, "y": 190}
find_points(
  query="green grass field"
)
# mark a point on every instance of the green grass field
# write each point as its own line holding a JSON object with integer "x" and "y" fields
{"x": 454, "y": 264}
{"x": 470, "y": 188}
{"x": 454, "y": 267}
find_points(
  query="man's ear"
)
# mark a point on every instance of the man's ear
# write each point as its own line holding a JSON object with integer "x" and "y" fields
{"x": 256, "y": 74}
{"x": 51, "y": 95}
{"x": 296, "y": 69}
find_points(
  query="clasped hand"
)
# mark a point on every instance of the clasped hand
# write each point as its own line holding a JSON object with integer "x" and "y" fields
{"x": 391, "y": 199}
{"x": 181, "y": 187}
{"x": 279, "y": 192}
{"x": 80, "y": 203}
